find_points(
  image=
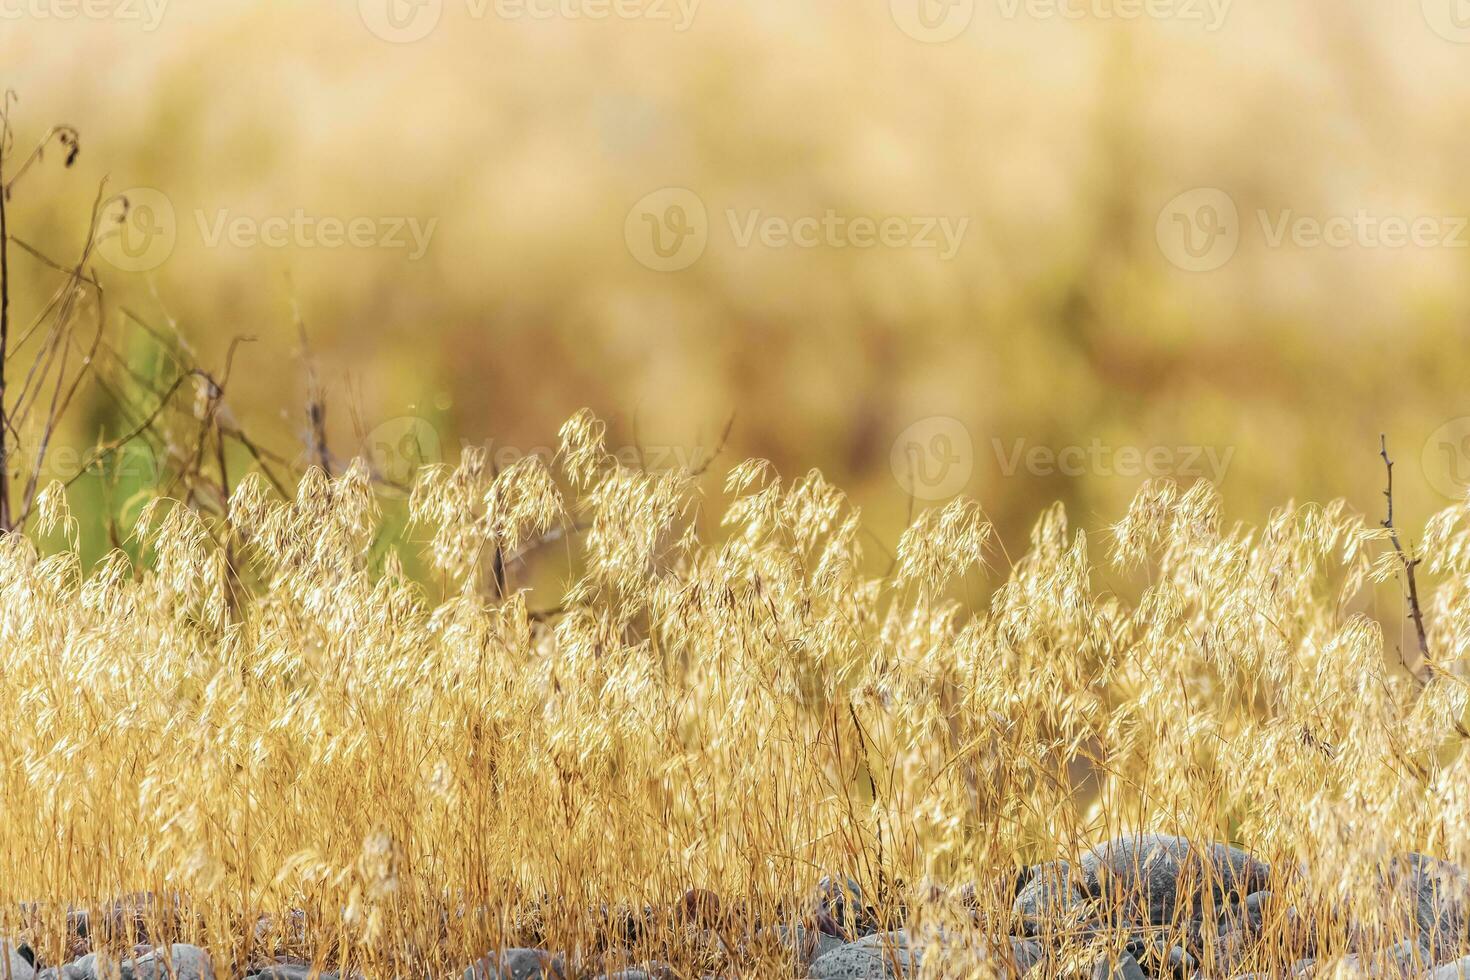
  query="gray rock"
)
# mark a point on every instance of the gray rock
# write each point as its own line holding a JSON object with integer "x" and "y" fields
{"x": 1052, "y": 896}
{"x": 1171, "y": 961}
{"x": 1126, "y": 968}
{"x": 806, "y": 945}
{"x": 517, "y": 964}
{"x": 1297, "y": 934}
{"x": 141, "y": 917}
{"x": 22, "y": 962}
{"x": 892, "y": 954}
{"x": 1352, "y": 967}
{"x": 1224, "y": 953}
{"x": 291, "y": 971}
{"x": 1406, "y": 958}
{"x": 1400, "y": 962}
{"x": 652, "y": 970}
{"x": 94, "y": 967}
{"x": 865, "y": 961}
{"x": 81, "y": 968}
{"x": 1247, "y": 916}
{"x": 1255, "y": 909}
{"x": 1028, "y": 955}
{"x": 1458, "y": 970}
{"x": 1426, "y": 900}
{"x": 842, "y": 910}
{"x": 181, "y": 961}
{"x": 971, "y": 960}
{"x": 1146, "y": 877}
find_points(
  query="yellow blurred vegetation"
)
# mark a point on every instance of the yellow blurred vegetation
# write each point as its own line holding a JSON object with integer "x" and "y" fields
{"x": 1058, "y": 322}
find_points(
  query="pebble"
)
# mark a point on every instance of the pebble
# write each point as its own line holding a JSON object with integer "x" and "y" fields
{"x": 891, "y": 954}
{"x": 1126, "y": 968}
{"x": 1161, "y": 957}
{"x": 181, "y": 962}
{"x": 517, "y": 964}
{"x": 1247, "y": 916}
{"x": 652, "y": 970}
{"x": 291, "y": 971}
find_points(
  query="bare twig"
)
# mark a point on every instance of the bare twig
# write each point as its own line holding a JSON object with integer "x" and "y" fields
{"x": 67, "y": 136}
{"x": 1409, "y": 563}
{"x": 4, "y": 312}
{"x": 102, "y": 452}
{"x": 260, "y": 456}
{"x": 61, "y": 401}
{"x": 316, "y": 403}
{"x": 703, "y": 467}
{"x": 59, "y": 345}
{"x": 550, "y": 537}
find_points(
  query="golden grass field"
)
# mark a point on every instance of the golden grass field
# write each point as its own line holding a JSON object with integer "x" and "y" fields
{"x": 983, "y": 460}
{"x": 427, "y": 770}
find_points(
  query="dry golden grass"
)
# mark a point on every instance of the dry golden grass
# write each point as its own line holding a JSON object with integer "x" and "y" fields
{"x": 428, "y": 771}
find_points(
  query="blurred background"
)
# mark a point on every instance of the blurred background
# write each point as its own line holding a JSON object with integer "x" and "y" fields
{"x": 1027, "y": 250}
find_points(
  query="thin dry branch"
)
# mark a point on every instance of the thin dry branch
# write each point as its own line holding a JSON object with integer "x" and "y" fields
{"x": 68, "y": 138}
{"x": 703, "y": 467}
{"x": 4, "y": 313}
{"x": 1410, "y": 563}
{"x": 104, "y": 451}
{"x": 316, "y": 403}
{"x": 60, "y": 401}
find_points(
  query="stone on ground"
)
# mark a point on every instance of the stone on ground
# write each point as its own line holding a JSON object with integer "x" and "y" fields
{"x": 1053, "y": 896}
{"x": 1147, "y": 877}
{"x": 1458, "y": 970}
{"x": 517, "y": 964}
